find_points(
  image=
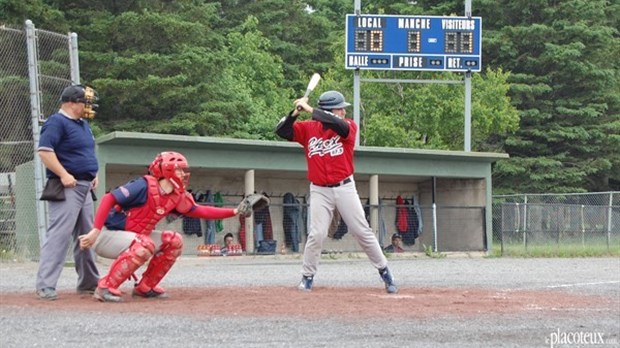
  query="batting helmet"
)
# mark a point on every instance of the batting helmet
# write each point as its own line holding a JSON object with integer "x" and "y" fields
{"x": 82, "y": 94}
{"x": 165, "y": 165}
{"x": 332, "y": 100}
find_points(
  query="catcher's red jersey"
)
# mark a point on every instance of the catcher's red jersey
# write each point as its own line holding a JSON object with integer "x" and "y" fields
{"x": 329, "y": 156}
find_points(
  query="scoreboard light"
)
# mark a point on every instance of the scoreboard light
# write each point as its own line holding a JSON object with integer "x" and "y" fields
{"x": 371, "y": 60}
{"x": 360, "y": 40}
{"x": 467, "y": 42}
{"x": 413, "y": 42}
{"x": 376, "y": 41}
{"x": 379, "y": 61}
{"x": 435, "y": 62}
{"x": 369, "y": 40}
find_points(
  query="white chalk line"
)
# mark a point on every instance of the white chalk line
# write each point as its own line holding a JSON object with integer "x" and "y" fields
{"x": 394, "y": 296}
{"x": 568, "y": 285}
{"x": 582, "y": 284}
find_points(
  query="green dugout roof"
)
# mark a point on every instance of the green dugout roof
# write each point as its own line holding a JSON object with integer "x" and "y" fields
{"x": 283, "y": 159}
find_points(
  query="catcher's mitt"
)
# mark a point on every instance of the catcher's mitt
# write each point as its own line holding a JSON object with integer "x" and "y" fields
{"x": 251, "y": 203}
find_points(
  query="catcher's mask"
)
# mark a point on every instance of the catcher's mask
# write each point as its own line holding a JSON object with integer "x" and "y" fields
{"x": 82, "y": 94}
{"x": 166, "y": 164}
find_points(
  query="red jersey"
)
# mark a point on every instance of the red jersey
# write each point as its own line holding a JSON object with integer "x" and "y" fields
{"x": 329, "y": 156}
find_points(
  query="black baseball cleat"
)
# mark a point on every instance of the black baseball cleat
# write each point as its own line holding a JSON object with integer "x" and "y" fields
{"x": 155, "y": 292}
{"x": 305, "y": 284}
{"x": 387, "y": 278}
{"x": 107, "y": 295}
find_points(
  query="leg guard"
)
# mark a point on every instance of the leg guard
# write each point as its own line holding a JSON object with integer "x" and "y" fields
{"x": 171, "y": 248}
{"x": 140, "y": 251}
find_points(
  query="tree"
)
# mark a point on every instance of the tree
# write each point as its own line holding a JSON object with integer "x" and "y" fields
{"x": 298, "y": 36}
{"x": 565, "y": 83}
{"x": 44, "y": 15}
{"x": 432, "y": 115}
{"x": 260, "y": 75}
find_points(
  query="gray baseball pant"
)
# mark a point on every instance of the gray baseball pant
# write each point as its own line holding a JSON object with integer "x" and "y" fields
{"x": 68, "y": 219}
{"x": 345, "y": 198}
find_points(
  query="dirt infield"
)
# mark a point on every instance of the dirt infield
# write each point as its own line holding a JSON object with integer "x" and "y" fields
{"x": 253, "y": 302}
{"x": 325, "y": 301}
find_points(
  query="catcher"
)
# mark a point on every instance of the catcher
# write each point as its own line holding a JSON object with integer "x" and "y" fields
{"x": 130, "y": 213}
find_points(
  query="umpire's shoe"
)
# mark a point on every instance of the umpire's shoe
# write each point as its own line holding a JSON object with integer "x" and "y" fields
{"x": 108, "y": 295}
{"x": 306, "y": 283}
{"x": 89, "y": 291}
{"x": 47, "y": 294}
{"x": 387, "y": 278}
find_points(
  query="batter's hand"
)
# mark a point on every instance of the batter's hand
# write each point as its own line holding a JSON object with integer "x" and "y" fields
{"x": 89, "y": 239}
{"x": 302, "y": 104}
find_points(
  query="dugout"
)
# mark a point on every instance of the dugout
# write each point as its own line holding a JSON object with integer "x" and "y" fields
{"x": 452, "y": 188}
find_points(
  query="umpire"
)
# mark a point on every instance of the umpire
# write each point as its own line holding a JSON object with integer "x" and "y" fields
{"x": 67, "y": 149}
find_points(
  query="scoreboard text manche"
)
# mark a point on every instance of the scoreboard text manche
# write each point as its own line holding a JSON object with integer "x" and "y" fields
{"x": 381, "y": 42}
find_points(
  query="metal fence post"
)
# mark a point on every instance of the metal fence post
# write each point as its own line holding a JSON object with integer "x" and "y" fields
{"x": 434, "y": 216}
{"x": 525, "y": 219}
{"x": 501, "y": 230}
{"x": 434, "y": 227}
{"x": 558, "y": 224}
{"x": 583, "y": 227}
{"x": 35, "y": 103}
{"x": 74, "y": 59}
{"x": 525, "y": 240}
{"x": 609, "y": 212}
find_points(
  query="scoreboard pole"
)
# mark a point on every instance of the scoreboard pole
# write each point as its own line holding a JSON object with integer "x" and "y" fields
{"x": 356, "y": 87}
{"x": 467, "y": 130}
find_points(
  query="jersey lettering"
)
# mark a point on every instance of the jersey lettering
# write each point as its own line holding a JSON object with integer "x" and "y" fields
{"x": 322, "y": 147}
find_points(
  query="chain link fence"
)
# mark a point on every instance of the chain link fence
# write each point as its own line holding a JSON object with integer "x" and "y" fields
{"x": 284, "y": 227}
{"x": 35, "y": 66}
{"x": 16, "y": 145}
{"x": 552, "y": 222}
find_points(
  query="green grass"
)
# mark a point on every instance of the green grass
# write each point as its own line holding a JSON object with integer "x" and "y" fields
{"x": 6, "y": 255}
{"x": 428, "y": 250}
{"x": 563, "y": 249}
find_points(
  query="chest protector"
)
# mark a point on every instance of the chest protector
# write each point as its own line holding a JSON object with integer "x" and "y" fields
{"x": 143, "y": 219}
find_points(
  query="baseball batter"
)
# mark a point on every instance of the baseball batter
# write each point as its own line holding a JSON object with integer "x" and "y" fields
{"x": 130, "y": 213}
{"x": 328, "y": 140}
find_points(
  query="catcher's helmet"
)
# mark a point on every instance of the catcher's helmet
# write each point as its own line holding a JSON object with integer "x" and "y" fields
{"x": 81, "y": 94}
{"x": 165, "y": 165}
{"x": 332, "y": 100}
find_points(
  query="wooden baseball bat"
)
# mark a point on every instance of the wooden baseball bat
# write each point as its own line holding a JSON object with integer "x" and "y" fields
{"x": 311, "y": 85}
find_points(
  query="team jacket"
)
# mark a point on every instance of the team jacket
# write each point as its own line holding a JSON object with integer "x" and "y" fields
{"x": 328, "y": 142}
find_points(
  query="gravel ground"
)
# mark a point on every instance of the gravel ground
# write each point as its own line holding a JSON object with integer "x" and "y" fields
{"x": 28, "y": 326}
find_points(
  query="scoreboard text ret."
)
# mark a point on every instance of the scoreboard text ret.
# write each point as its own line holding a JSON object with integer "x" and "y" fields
{"x": 389, "y": 42}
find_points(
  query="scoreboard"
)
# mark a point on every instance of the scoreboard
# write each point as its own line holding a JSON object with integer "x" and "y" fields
{"x": 430, "y": 43}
